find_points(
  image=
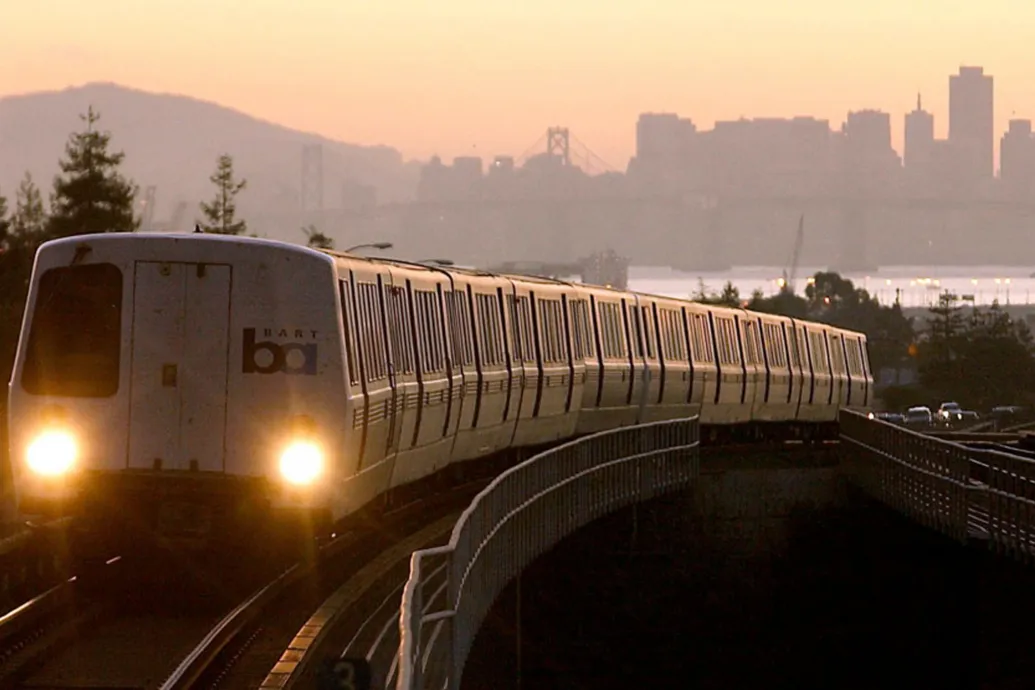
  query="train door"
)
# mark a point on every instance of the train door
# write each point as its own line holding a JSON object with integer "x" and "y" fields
{"x": 179, "y": 365}
{"x": 398, "y": 335}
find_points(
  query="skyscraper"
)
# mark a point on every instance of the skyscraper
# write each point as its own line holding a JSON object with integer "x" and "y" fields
{"x": 971, "y": 132}
{"x": 919, "y": 139}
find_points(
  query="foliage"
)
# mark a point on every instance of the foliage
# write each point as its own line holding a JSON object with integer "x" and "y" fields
{"x": 91, "y": 196}
{"x": 317, "y": 239}
{"x": 221, "y": 211}
{"x": 980, "y": 359}
{"x": 830, "y": 298}
{"x": 729, "y": 297}
{"x": 29, "y": 220}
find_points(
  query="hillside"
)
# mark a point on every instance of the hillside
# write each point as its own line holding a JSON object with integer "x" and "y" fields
{"x": 172, "y": 142}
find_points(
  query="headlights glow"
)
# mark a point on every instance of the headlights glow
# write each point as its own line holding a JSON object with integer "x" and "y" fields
{"x": 301, "y": 462}
{"x": 52, "y": 453}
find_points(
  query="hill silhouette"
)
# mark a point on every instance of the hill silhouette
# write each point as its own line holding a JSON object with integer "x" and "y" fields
{"x": 172, "y": 142}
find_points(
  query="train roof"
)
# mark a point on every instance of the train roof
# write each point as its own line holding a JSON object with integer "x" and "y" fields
{"x": 191, "y": 237}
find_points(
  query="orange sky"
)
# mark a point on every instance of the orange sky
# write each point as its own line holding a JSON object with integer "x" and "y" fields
{"x": 457, "y": 77}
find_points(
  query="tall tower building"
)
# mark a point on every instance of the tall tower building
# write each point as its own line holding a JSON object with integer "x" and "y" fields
{"x": 971, "y": 134}
{"x": 919, "y": 138}
{"x": 1017, "y": 156}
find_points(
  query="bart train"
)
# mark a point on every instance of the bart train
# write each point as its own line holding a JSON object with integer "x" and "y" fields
{"x": 245, "y": 374}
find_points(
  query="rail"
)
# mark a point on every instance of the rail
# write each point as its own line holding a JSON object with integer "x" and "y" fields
{"x": 523, "y": 513}
{"x": 971, "y": 494}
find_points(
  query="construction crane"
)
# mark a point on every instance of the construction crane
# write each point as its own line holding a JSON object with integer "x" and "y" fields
{"x": 791, "y": 273}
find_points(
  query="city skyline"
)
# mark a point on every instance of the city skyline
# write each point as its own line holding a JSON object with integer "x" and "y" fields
{"x": 899, "y": 124}
{"x": 488, "y": 77}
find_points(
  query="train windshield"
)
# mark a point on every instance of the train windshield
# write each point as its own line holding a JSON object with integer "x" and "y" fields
{"x": 74, "y": 342}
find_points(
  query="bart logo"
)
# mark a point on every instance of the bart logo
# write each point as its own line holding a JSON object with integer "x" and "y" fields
{"x": 268, "y": 357}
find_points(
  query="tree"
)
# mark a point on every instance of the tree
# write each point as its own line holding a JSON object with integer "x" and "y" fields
{"x": 5, "y": 224}
{"x": 29, "y": 221}
{"x": 729, "y": 297}
{"x": 220, "y": 212}
{"x": 316, "y": 239}
{"x": 91, "y": 195}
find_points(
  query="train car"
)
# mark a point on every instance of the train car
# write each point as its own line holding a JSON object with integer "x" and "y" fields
{"x": 202, "y": 384}
{"x": 155, "y": 374}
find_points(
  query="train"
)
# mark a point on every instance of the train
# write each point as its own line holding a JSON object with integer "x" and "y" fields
{"x": 191, "y": 380}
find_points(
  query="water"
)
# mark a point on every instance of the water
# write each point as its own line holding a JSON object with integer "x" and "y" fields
{"x": 916, "y": 286}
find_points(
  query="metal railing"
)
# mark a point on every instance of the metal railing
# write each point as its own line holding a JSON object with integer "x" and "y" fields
{"x": 964, "y": 492}
{"x": 522, "y": 514}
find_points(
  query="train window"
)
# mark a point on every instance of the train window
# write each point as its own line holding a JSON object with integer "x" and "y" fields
{"x": 701, "y": 339}
{"x": 795, "y": 348}
{"x": 729, "y": 347}
{"x": 429, "y": 331}
{"x": 552, "y": 332}
{"x": 515, "y": 328}
{"x": 350, "y": 331}
{"x": 371, "y": 332}
{"x": 837, "y": 354}
{"x": 819, "y": 353}
{"x": 525, "y": 332}
{"x": 673, "y": 345}
{"x": 751, "y": 342}
{"x": 611, "y": 333}
{"x": 775, "y": 347}
{"x": 489, "y": 327}
{"x": 460, "y": 326}
{"x": 399, "y": 330}
{"x": 648, "y": 332}
{"x": 581, "y": 339}
{"x": 74, "y": 346}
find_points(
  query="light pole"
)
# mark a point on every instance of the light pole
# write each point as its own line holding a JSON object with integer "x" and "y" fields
{"x": 373, "y": 245}
{"x": 440, "y": 262}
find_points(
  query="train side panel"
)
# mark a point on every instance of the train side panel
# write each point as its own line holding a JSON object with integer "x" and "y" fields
{"x": 375, "y": 413}
{"x": 778, "y": 402}
{"x": 425, "y": 443}
{"x": 485, "y": 396}
{"x": 820, "y": 406}
{"x": 557, "y": 398}
{"x": 754, "y": 366}
{"x": 647, "y": 364}
{"x": 705, "y": 382}
{"x": 610, "y": 407}
{"x": 674, "y": 372}
{"x": 728, "y": 407}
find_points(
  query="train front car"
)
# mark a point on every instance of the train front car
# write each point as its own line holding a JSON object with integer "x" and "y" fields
{"x": 185, "y": 387}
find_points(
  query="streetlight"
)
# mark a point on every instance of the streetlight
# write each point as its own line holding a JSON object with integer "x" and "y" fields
{"x": 374, "y": 245}
{"x": 440, "y": 262}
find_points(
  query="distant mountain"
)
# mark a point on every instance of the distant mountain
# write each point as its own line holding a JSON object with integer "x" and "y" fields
{"x": 172, "y": 142}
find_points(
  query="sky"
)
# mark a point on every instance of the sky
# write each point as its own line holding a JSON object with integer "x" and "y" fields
{"x": 487, "y": 77}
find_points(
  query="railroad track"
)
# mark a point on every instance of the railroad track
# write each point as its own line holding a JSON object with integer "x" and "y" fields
{"x": 248, "y": 645}
{"x": 114, "y": 628}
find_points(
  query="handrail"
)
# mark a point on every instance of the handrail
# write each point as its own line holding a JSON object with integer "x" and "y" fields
{"x": 963, "y": 491}
{"x": 531, "y": 507}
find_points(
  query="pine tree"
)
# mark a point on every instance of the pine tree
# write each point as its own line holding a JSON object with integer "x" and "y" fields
{"x": 316, "y": 239}
{"x": 220, "y": 213}
{"x": 29, "y": 221}
{"x": 91, "y": 196}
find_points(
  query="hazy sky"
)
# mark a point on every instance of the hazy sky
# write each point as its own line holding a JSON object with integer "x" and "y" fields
{"x": 457, "y": 77}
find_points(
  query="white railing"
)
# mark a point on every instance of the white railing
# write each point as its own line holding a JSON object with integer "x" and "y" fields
{"x": 522, "y": 514}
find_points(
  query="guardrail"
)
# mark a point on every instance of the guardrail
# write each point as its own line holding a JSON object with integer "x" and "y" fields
{"x": 523, "y": 513}
{"x": 970, "y": 494}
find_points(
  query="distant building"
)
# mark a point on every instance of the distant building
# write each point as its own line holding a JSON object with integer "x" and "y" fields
{"x": 971, "y": 127}
{"x": 919, "y": 140}
{"x": 1017, "y": 157}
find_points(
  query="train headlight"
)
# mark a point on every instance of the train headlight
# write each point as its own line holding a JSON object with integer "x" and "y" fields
{"x": 52, "y": 453}
{"x": 301, "y": 463}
